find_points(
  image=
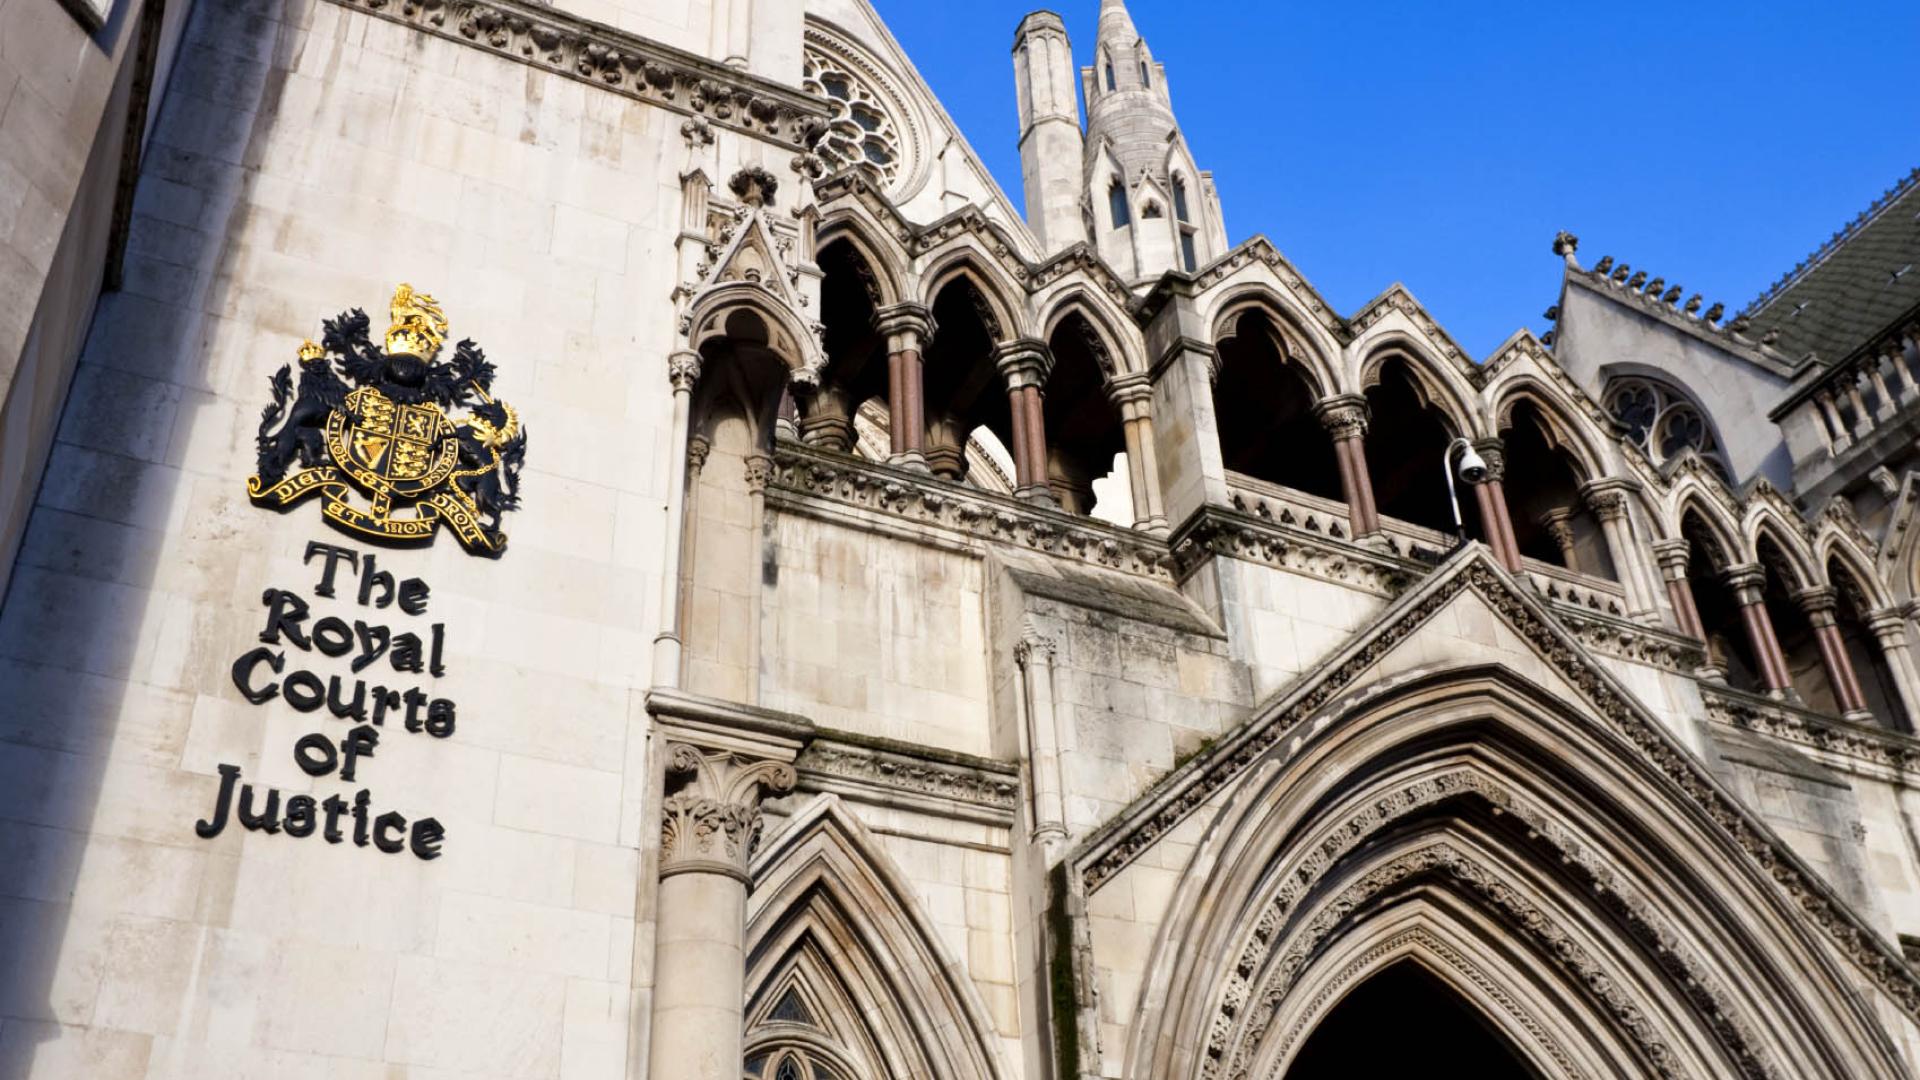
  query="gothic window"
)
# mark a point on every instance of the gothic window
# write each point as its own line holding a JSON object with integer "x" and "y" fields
{"x": 1187, "y": 258}
{"x": 1180, "y": 200}
{"x": 1117, "y": 205}
{"x": 1145, "y": 80}
{"x": 1663, "y": 422}
{"x": 791, "y": 1063}
{"x": 1109, "y": 75}
{"x": 1151, "y": 210}
{"x": 859, "y": 130}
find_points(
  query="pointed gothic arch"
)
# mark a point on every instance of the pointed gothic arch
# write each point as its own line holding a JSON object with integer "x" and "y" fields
{"x": 832, "y": 920}
{"x": 1493, "y": 813}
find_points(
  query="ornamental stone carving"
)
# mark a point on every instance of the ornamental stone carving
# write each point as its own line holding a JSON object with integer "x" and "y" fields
{"x": 1343, "y": 417}
{"x": 710, "y": 821}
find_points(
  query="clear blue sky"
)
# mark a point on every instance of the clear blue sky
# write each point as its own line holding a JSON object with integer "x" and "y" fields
{"x": 1442, "y": 144}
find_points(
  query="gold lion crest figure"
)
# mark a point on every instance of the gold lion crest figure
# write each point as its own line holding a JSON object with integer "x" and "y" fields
{"x": 380, "y": 422}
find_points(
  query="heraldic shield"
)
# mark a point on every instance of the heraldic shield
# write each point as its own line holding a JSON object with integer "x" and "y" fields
{"x": 379, "y": 423}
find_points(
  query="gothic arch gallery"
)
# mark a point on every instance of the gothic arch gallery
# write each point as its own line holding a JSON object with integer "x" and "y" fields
{"x": 590, "y": 541}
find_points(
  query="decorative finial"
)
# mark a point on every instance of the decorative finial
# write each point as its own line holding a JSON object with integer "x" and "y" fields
{"x": 1638, "y": 279}
{"x": 418, "y": 324}
{"x": 1565, "y": 243}
{"x": 1655, "y": 287}
{"x": 1620, "y": 275}
{"x": 1672, "y": 296}
{"x": 1693, "y": 303}
{"x": 1713, "y": 313}
{"x": 1552, "y": 314}
{"x": 754, "y": 185}
{"x": 1604, "y": 265}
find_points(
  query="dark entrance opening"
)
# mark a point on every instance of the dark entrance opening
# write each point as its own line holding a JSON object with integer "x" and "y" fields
{"x": 1405, "y": 1022}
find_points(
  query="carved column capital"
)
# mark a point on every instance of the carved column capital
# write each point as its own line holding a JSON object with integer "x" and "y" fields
{"x": 683, "y": 370}
{"x": 1559, "y": 524}
{"x": 1819, "y": 604}
{"x": 1746, "y": 581}
{"x": 1023, "y": 362}
{"x": 1131, "y": 391}
{"x": 1673, "y": 556}
{"x": 906, "y": 326}
{"x": 1607, "y": 497}
{"x": 759, "y": 469}
{"x": 710, "y": 819}
{"x": 1889, "y": 627}
{"x": 698, "y": 447}
{"x": 1343, "y": 416}
{"x": 1494, "y": 453}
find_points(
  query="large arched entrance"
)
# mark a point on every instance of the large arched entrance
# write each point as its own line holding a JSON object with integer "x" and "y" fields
{"x": 1403, "y": 1022}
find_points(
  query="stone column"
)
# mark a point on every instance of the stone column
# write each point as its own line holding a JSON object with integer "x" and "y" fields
{"x": 1132, "y": 394}
{"x": 906, "y": 328}
{"x": 1559, "y": 524}
{"x": 1607, "y": 499}
{"x": 1491, "y": 495}
{"x": 1890, "y": 631}
{"x": 1345, "y": 419}
{"x": 1673, "y": 567}
{"x": 683, "y": 371}
{"x": 1839, "y": 437}
{"x": 1033, "y": 657}
{"x": 1819, "y": 604}
{"x": 828, "y": 422}
{"x": 946, "y": 448}
{"x": 1748, "y": 585}
{"x": 759, "y": 470}
{"x": 1025, "y": 364}
{"x": 709, "y": 826}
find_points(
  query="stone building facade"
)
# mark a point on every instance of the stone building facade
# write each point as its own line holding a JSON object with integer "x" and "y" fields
{"x": 831, "y": 627}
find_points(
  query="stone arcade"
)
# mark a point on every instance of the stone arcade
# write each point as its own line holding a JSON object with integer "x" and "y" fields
{"x": 933, "y": 642}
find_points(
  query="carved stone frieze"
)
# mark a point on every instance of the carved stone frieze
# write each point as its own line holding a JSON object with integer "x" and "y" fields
{"x": 552, "y": 40}
{"x": 809, "y": 473}
{"x": 913, "y": 773}
{"x": 1304, "y": 542}
{"x": 1869, "y": 746}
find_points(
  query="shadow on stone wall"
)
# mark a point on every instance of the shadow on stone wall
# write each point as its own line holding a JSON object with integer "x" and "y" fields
{"x": 130, "y": 594}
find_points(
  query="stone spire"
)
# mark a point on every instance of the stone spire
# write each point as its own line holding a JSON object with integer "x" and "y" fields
{"x": 1151, "y": 208}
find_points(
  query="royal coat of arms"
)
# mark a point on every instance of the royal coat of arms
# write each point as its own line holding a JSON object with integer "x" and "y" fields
{"x": 383, "y": 424}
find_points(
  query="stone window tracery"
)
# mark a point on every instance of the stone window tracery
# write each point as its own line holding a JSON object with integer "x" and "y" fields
{"x": 861, "y": 129}
{"x": 1663, "y": 422}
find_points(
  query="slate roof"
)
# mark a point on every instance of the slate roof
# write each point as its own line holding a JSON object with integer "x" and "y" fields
{"x": 1864, "y": 277}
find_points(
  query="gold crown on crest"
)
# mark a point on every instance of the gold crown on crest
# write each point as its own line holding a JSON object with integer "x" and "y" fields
{"x": 418, "y": 324}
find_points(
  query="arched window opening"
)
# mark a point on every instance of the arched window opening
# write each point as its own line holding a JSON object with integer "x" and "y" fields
{"x": 1664, "y": 422}
{"x": 1407, "y": 441}
{"x": 1863, "y": 649}
{"x": 856, "y": 368}
{"x": 1180, "y": 211}
{"x": 1728, "y": 647}
{"x": 1795, "y": 631}
{"x": 1145, "y": 79}
{"x": 1086, "y": 445}
{"x": 1430, "y": 1023}
{"x": 1263, "y": 408}
{"x": 963, "y": 389}
{"x": 1109, "y": 67}
{"x": 1117, "y": 204}
{"x": 1188, "y": 260}
{"x": 1551, "y": 520}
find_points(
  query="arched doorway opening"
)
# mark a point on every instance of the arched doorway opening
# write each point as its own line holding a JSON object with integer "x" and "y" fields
{"x": 1405, "y": 1022}
{"x": 1551, "y": 521}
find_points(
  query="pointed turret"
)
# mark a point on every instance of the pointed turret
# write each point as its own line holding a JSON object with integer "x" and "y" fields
{"x": 1153, "y": 210}
{"x": 1050, "y": 142}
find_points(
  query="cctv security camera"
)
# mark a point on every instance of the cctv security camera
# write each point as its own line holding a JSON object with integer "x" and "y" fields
{"x": 1473, "y": 468}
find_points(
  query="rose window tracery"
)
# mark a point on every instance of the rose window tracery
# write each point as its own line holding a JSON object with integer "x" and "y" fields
{"x": 860, "y": 129}
{"x": 1663, "y": 423}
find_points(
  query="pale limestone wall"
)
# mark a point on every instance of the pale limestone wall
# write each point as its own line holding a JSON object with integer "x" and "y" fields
{"x": 875, "y": 635}
{"x": 334, "y": 156}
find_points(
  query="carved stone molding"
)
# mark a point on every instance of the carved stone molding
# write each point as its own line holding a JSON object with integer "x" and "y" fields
{"x": 1868, "y": 746}
{"x": 1302, "y": 543}
{"x": 804, "y": 474}
{"x": 1704, "y": 989}
{"x": 551, "y": 40}
{"x": 710, "y": 821}
{"x": 913, "y": 772}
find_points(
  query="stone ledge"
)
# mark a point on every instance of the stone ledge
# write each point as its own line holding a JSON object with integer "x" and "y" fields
{"x": 1885, "y": 754}
{"x": 612, "y": 59}
{"x": 892, "y": 773}
{"x": 808, "y": 480}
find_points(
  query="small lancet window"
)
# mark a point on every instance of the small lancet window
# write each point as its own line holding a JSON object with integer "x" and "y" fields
{"x": 1180, "y": 200}
{"x": 1186, "y": 250}
{"x": 1145, "y": 79}
{"x": 1110, "y": 76}
{"x": 1117, "y": 205}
